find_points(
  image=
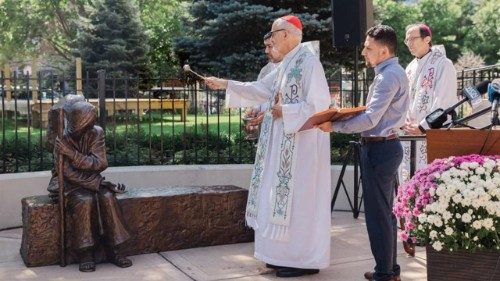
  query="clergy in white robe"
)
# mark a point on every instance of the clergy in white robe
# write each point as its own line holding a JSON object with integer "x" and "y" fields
{"x": 290, "y": 190}
{"x": 433, "y": 84}
{"x": 257, "y": 111}
{"x": 274, "y": 61}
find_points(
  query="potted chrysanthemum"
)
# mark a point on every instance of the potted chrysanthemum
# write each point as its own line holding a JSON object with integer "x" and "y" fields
{"x": 453, "y": 207}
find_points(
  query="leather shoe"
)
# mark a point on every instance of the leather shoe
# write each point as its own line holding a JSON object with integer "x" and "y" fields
{"x": 294, "y": 272}
{"x": 369, "y": 275}
{"x": 268, "y": 265}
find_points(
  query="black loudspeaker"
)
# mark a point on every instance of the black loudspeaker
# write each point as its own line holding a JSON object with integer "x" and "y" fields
{"x": 351, "y": 20}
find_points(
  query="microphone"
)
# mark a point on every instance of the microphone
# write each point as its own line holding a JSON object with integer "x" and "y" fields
{"x": 493, "y": 97}
{"x": 436, "y": 119}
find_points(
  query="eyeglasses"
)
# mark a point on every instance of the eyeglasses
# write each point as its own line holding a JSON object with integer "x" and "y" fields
{"x": 273, "y": 32}
{"x": 410, "y": 39}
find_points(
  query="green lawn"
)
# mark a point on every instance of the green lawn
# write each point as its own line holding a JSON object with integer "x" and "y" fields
{"x": 166, "y": 125}
{"x": 155, "y": 124}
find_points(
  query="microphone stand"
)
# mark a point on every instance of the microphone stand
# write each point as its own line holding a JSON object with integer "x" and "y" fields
{"x": 494, "y": 118}
{"x": 460, "y": 122}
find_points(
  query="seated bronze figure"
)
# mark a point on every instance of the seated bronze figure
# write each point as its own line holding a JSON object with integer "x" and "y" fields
{"x": 93, "y": 216}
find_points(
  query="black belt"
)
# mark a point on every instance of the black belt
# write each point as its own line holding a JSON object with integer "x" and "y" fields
{"x": 378, "y": 139}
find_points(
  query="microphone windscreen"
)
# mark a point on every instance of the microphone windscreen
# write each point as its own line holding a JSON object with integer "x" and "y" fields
{"x": 493, "y": 89}
{"x": 473, "y": 93}
{"x": 482, "y": 87}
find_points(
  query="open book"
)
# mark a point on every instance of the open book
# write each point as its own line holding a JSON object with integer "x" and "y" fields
{"x": 331, "y": 114}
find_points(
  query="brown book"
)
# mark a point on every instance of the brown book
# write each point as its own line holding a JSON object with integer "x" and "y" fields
{"x": 331, "y": 114}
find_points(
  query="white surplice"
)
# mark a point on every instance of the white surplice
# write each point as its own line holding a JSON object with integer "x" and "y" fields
{"x": 433, "y": 85}
{"x": 290, "y": 190}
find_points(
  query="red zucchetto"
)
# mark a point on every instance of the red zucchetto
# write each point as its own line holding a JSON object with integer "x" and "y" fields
{"x": 293, "y": 20}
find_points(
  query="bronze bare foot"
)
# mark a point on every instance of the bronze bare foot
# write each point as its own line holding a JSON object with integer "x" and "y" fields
{"x": 87, "y": 263}
{"x": 87, "y": 266}
{"x": 122, "y": 261}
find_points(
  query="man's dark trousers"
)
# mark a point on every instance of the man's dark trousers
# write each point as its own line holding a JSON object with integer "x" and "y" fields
{"x": 379, "y": 165}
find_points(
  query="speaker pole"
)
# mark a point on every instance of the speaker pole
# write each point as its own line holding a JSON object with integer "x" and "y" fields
{"x": 356, "y": 62}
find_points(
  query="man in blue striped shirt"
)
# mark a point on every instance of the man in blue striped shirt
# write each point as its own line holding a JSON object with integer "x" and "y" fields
{"x": 381, "y": 150}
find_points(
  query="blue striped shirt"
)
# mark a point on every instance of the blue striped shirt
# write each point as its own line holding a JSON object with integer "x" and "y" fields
{"x": 388, "y": 101}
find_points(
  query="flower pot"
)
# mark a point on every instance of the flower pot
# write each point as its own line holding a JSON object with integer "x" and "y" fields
{"x": 462, "y": 266}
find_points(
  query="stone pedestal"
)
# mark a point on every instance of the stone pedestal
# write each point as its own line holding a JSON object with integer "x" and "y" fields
{"x": 161, "y": 219}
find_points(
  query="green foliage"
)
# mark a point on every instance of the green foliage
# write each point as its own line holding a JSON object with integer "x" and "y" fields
{"x": 485, "y": 39}
{"x": 450, "y": 21}
{"x": 225, "y": 37}
{"x": 139, "y": 146}
{"x": 23, "y": 156}
{"x": 218, "y": 37}
{"x": 113, "y": 39}
{"x": 460, "y": 25}
{"x": 398, "y": 16}
{"x": 163, "y": 21}
{"x": 33, "y": 28}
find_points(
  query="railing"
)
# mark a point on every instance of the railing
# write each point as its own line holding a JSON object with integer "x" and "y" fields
{"x": 153, "y": 122}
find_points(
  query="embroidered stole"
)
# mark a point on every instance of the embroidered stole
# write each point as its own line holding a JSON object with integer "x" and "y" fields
{"x": 422, "y": 80}
{"x": 282, "y": 189}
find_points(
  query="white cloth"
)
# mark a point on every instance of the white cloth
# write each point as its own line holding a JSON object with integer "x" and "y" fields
{"x": 433, "y": 85}
{"x": 307, "y": 222}
{"x": 268, "y": 68}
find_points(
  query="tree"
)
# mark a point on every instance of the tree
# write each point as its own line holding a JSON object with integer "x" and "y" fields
{"x": 113, "y": 39}
{"x": 484, "y": 39}
{"x": 459, "y": 25}
{"x": 398, "y": 15}
{"x": 225, "y": 37}
{"x": 33, "y": 28}
{"x": 450, "y": 22}
{"x": 163, "y": 22}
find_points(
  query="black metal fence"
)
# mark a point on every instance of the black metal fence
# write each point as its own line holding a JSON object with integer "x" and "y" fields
{"x": 153, "y": 121}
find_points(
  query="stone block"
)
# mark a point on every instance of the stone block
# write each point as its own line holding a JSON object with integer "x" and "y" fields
{"x": 159, "y": 219}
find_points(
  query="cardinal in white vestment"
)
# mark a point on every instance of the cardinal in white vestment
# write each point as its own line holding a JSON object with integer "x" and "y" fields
{"x": 289, "y": 195}
{"x": 433, "y": 84}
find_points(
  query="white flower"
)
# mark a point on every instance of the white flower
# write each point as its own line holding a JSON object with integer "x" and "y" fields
{"x": 488, "y": 223}
{"x": 457, "y": 198}
{"x": 438, "y": 246}
{"x": 432, "y": 191}
{"x": 448, "y": 231}
{"x": 422, "y": 218}
{"x": 477, "y": 224}
{"x": 480, "y": 170}
{"x": 447, "y": 215}
{"x": 465, "y": 196}
{"x": 466, "y": 218}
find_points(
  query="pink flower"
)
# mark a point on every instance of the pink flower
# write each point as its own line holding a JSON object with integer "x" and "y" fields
{"x": 413, "y": 196}
{"x": 403, "y": 236}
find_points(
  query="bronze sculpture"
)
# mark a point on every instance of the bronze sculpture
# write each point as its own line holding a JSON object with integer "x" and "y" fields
{"x": 94, "y": 217}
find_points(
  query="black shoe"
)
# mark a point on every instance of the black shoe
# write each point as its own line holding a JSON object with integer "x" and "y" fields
{"x": 369, "y": 276}
{"x": 294, "y": 272}
{"x": 268, "y": 265}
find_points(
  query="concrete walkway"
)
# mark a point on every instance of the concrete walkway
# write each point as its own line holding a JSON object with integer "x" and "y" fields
{"x": 350, "y": 250}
